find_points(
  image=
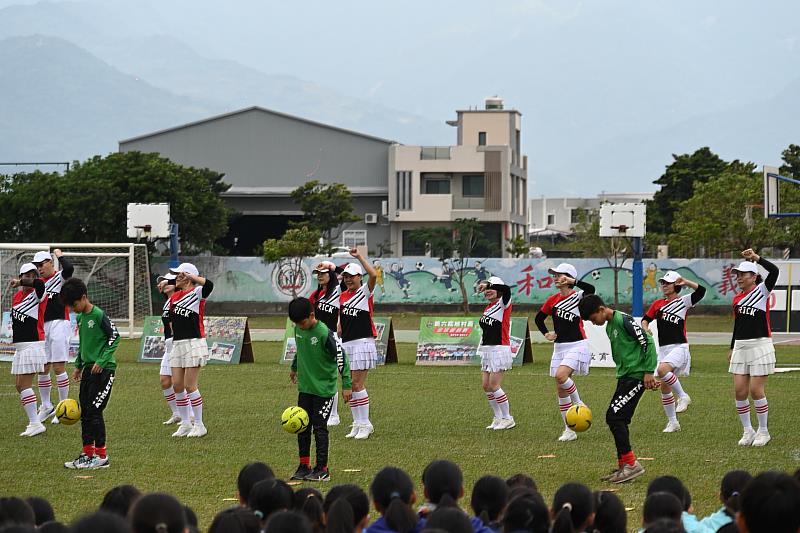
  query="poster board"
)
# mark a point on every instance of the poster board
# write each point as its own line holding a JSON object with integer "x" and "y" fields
{"x": 228, "y": 339}
{"x": 384, "y": 342}
{"x": 7, "y": 344}
{"x": 454, "y": 341}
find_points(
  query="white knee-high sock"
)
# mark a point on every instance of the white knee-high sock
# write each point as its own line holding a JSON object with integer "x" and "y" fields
{"x": 762, "y": 412}
{"x": 182, "y": 402}
{"x": 335, "y": 405}
{"x": 196, "y": 401}
{"x": 28, "y": 399}
{"x": 359, "y": 405}
{"x": 169, "y": 396}
{"x": 673, "y": 381}
{"x": 572, "y": 390}
{"x": 45, "y": 386}
{"x": 563, "y": 405}
{"x": 668, "y": 401}
{"x": 743, "y": 408}
{"x": 502, "y": 402}
{"x": 493, "y": 404}
{"x": 62, "y": 381}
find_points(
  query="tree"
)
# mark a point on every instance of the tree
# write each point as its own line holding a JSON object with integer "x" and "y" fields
{"x": 725, "y": 216}
{"x": 325, "y": 206}
{"x": 518, "y": 246}
{"x": 791, "y": 161}
{"x": 93, "y": 197}
{"x": 677, "y": 185}
{"x": 454, "y": 247}
{"x": 289, "y": 251}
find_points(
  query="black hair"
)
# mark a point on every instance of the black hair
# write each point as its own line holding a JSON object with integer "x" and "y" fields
{"x": 119, "y": 499}
{"x": 102, "y": 522}
{"x": 53, "y": 527}
{"x": 770, "y": 503}
{"x": 345, "y": 507}
{"x": 672, "y": 485}
{"x": 72, "y": 290}
{"x": 235, "y": 520}
{"x": 157, "y": 513}
{"x": 191, "y": 517}
{"x": 609, "y": 513}
{"x": 589, "y": 305}
{"x": 287, "y": 522}
{"x": 18, "y": 528}
{"x": 521, "y": 480}
{"x": 269, "y": 496}
{"x": 796, "y": 475}
{"x": 450, "y": 519}
{"x": 309, "y": 502}
{"x": 16, "y": 511}
{"x": 573, "y": 504}
{"x": 391, "y": 490}
{"x": 731, "y": 487}
{"x": 42, "y": 510}
{"x": 489, "y": 498}
{"x": 665, "y": 525}
{"x": 661, "y": 505}
{"x": 300, "y": 309}
{"x": 249, "y": 475}
{"x": 330, "y": 287}
{"x": 526, "y": 511}
{"x": 443, "y": 482}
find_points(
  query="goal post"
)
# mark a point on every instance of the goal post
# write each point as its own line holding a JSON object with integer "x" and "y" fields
{"x": 117, "y": 276}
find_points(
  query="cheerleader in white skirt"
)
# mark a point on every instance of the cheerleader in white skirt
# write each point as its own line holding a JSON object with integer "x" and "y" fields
{"x": 495, "y": 349}
{"x": 166, "y": 286}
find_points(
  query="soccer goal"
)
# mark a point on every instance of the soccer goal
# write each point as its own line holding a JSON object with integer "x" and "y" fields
{"x": 117, "y": 276}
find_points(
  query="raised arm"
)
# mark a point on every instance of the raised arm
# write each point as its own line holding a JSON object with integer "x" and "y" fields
{"x": 587, "y": 288}
{"x": 772, "y": 270}
{"x": 368, "y": 268}
{"x": 67, "y": 268}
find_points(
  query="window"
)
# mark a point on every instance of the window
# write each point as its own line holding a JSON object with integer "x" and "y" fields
{"x": 481, "y": 138}
{"x": 473, "y": 186}
{"x": 354, "y": 237}
{"x": 411, "y": 247}
{"x": 551, "y": 219}
{"x": 434, "y": 152}
{"x": 403, "y": 201}
{"x": 435, "y": 185}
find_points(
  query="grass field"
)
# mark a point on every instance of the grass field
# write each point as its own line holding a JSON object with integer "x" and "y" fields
{"x": 420, "y": 414}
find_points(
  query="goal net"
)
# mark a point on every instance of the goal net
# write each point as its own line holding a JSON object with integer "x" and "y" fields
{"x": 116, "y": 275}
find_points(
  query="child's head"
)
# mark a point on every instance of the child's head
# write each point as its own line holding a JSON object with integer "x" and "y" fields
{"x": 269, "y": 496}
{"x": 74, "y": 295}
{"x": 235, "y": 520}
{"x": 665, "y": 525}
{"x": 301, "y": 312}
{"x": 42, "y": 510}
{"x": 120, "y": 499}
{"x": 16, "y": 511}
{"x": 672, "y": 485}
{"x": 28, "y": 271}
{"x": 308, "y": 501}
{"x": 732, "y": 485}
{"x": 661, "y": 505}
{"x": 102, "y": 522}
{"x": 489, "y": 498}
{"x": 572, "y": 508}
{"x": 526, "y": 511}
{"x": 393, "y": 495}
{"x": 444, "y": 484}
{"x": 609, "y": 513}
{"x": 287, "y": 522}
{"x": 346, "y": 509}
{"x": 593, "y": 309}
{"x": 157, "y": 513}
{"x": 521, "y": 480}
{"x": 249, "y": 475}
{"x": 450, "y": 519}
{"x": 770, "y": 503}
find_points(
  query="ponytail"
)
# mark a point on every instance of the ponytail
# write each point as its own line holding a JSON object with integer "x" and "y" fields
{"x": 563, "y": 520}
{"x": 399, "y": 515}
{"x": 340, "y": 517}
{"x": 312, "y": 509}
{"x": 446, "y": 500}
{"x": 731, "y": 486}
{"x": 573, "y": 504}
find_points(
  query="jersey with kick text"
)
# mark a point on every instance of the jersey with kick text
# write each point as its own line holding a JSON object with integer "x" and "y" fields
{"x": 27, "y": 313}
{"x": 326, "y": 305}
{"x": 355, "y": 314}
{"x": 751, "y": 309}
{"x": 186, "y": 312}
{"x": 496, "y": 319}
{"x": 670, "y": 315}
{"x": 55, "y": 309}
{"x": 567, "y": 321}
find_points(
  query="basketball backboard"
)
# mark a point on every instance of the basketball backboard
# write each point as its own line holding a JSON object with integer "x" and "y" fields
{"x": 772, "y": 197}
{"x": 623, "y": 220}
{"x": 148, "y": 221}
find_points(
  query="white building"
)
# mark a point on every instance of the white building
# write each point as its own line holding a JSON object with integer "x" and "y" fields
{"x": 548, "y": 217}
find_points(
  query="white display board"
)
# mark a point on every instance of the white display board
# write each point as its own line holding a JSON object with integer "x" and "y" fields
{"x": 156, "y": 216}
{"x": 601, "y": 346}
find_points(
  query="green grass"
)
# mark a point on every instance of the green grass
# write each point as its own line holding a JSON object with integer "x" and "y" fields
{"x": 420, "y": 414}
{"x": 699, "y": 323}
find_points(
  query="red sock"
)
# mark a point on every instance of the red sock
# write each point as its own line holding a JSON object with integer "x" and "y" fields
{"x": 100, "y": 451}
{"x": 325, "y": 468}
{"x": 305, "y": 461}
{"x": 628, "y": 458}
{"x": 88, "y": 449}
{"x": 620, "y": 462}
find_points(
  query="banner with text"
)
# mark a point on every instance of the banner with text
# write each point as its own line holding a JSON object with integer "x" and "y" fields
{"x": 384, "y": 342}
{"x": 228, "y": 339}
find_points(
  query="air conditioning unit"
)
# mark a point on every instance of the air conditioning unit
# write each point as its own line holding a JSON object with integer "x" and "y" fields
{"x": 370, "y": 218}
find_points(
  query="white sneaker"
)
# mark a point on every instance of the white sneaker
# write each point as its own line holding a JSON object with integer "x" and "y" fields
{"x": 568, "y": 435}
{"x": 494, "y": 423}
{"x": 198, "y": 430}
{"x": 55, "y": 420}
{"x": 762, "y": 438}
{"x": 46, "y": 412}
{"x": 683, "y": 403}
{"x": 334, "y": 420}
{"x": 353, "y": 431}
{"x": 183, "y": 430}
{"x": 33, "y": 429}
{"x": 506, "y": 423}
{"x": 174, "y": 419}
{"x": 672, "y": 426}
{"x": 364, "y": 431}
{"x": 748, "y": 437}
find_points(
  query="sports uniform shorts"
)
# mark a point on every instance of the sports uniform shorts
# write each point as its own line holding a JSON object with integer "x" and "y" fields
{"x": 678, "y": 356}
{"x": 29, "y": 358}
{"x": 56, "y": 339}
{"x": 753, "y": 357}
{"x": 166, "y": 368}
{"x": 496, "y": 358}
{"x": 188, "y": 353}
{"x": 362, "y": 353}
{"x": 576, "y": 355}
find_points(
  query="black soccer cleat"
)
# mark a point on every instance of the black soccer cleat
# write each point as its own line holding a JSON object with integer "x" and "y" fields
{"x": 318, "y": 474}
{"x": 301, "y": 472}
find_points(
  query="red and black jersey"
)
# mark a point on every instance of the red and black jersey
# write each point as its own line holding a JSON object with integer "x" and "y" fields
{"x": 186, "y": 312}
{"x": 355, "y": 314}
{"x": 567, "y": 321}
{"x": 27, "y": 313}
{"x": 670, "y": 316}
{"x": 52, "y": 285}
{"x": 165, "y": 319}
{"x": 326, "y": 305}
{"x": 751, "y": 309}
{"x": 496, "y": 319}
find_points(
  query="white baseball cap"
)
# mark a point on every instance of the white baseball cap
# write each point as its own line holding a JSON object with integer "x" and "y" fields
{"x": 670, "y": 277}
{"x": 494, "y": 280}
{"x": 186, "y": 268}
{"x": 354, "y": 269}
{"x": 41, "y": 257}
{"x": 27, "y": 267}
{"x": 565, "y": 268}
{"x": 325, "y": 266}
{"x": 169, "y": 276}
{"x": 746, "y": 266}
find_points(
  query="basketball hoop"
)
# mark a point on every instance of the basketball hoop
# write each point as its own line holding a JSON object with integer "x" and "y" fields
{"x": 143, "y": 231}
{"x": 622, "y": 228}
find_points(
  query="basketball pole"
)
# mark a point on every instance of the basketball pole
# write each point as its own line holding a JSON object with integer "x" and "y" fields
{"x": 638, "y": 281}
{"x": 173, "y": 245}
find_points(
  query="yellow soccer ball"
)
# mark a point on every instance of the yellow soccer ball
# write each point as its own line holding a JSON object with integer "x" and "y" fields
{"x": 68, "y": 411}
{"x": 294, "y": 420}
{"x": 579, "y": 418}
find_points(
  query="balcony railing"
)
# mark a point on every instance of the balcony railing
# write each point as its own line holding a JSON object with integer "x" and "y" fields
{"x": 434, "y": 152}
